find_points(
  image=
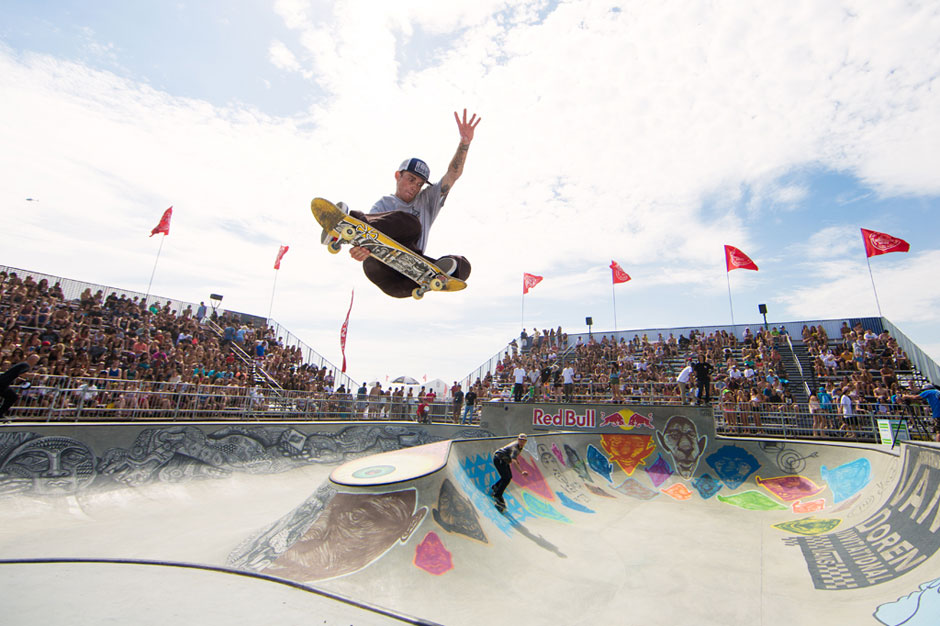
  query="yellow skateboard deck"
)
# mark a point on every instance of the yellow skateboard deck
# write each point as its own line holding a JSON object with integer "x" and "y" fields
{"x": 345, "y": 229}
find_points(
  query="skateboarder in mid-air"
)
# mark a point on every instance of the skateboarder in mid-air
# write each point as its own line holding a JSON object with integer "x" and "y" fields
{"x": 407, "y": 215}
{"x": 502, "y": 459}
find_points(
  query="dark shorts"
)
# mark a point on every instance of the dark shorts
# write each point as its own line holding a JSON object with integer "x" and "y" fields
{"x": 404, "y": 228}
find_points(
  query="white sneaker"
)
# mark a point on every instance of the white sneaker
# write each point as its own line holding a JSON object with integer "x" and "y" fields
{"x": 447, "y": 265}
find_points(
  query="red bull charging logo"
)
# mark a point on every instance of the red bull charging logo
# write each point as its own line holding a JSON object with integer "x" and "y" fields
{"x": 566, "y": 418}
{"x": 628, "y": 420}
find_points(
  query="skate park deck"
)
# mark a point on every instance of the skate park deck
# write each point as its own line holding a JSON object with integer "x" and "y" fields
{"x": 657, "y": 523}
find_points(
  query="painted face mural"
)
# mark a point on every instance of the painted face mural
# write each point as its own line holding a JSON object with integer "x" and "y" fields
{"x": 353, "y": 531}
{"x": 48, "y": 466}
{"x": 455, "y": 514}
{"x": 733, "y": 465}
{"x": 680, "y": 438}
{"x": 628, "y": 451}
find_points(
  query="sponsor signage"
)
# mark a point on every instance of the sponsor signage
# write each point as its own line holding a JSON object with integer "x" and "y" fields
{"x": 887, "y": 429}
{"x": 565, "y": 418}
{"x": 899, "y": 537}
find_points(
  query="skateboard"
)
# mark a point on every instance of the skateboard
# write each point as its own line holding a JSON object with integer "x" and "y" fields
{"x": 346, "y": 229}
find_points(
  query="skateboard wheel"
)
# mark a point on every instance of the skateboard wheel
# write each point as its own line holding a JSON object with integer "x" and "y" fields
{"x": 418, "y": 293}
{"x": 334, "y": 247}
{"x": 347, "y": 233}
{"x": 436, "y": 284}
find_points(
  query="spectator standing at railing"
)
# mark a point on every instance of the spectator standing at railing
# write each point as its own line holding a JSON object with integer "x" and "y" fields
{"x": 457, "y": 399}
{"x": 931, "y": 396}
{"x": 847, "y": 407}
{"x": 703, "y": 377}
{"x": 567, "y": 376}
{"x": 9, "y": 377}
{"x": 683, "y": 379}
{"x": 469, "y": 401}
{"x": 518, "y": 375}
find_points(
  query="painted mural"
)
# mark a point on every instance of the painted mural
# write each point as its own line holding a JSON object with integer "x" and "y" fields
{"x": 34, "y": 464}
{"x": 898, "y": 537}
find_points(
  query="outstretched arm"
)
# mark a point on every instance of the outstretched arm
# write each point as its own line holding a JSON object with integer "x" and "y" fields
{"x": 455, "y": 169}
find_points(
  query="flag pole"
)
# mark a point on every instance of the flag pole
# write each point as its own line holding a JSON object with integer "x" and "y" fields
{"x": 522, "y": 318}
{"x": 271, "y": 308}
{"x": 730, "y": 303}
{"x": 150, "y": 284}
{"x": 868, "y": 260}
{"x": 613, "y": 293}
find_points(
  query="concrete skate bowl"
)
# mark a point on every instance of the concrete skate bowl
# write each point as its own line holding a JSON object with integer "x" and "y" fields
{"x": 657, "y": 524}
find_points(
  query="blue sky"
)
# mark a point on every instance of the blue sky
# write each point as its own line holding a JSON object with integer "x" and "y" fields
{"x": 647, "y": 133}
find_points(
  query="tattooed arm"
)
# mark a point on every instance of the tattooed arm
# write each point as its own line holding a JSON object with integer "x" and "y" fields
{"x": 455, "y": 169}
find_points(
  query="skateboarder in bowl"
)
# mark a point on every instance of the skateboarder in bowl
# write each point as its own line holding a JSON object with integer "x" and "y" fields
{"x": 502, "y": 459}
{"x": 407, "y": 215}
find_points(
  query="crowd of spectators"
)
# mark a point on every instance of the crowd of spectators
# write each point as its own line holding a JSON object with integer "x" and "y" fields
{"x": 118, "y": 352}
{"x": 748, "y": 376}
{"x": 112, "y": 347}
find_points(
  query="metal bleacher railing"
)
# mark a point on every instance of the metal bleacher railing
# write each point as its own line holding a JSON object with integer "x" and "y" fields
{"x": 102, "y": 399}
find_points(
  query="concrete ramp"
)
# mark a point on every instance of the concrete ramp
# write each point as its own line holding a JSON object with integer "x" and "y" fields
{"x": 657, "y": 526}
{"x": 654, "y": 521}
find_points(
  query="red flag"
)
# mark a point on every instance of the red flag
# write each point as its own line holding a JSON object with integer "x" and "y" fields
{"x": 882, "y": 243}
{"x": 737, "y": 260}
{"x": 342, "y": 333}
{"x": 280, "y": 255}
{"x": 529, "y": 281}
{"x": 619, "y": 276}
{"x": 164, "y": 225}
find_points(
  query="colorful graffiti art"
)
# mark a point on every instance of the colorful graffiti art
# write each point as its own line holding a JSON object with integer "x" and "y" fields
{"x": 848, "y": 479}
{"x": 633, "y": 488}
{"x": 809, "y": 526}
{"x": 733, "y": 465}
{"x": 919, "y": 608}
{"x": 575, "y": 463}
{"x": 790, "y": 488}
{"x": 566, "y": 478}
{"x": 597, "y": 491}
{"x": 628, "y": 451}
{"x": 432, "y": 556}
{"x": 558, "y": 454}
{"x": 659, "y": 472}
{"x": 535, "y": 481}
{"x": 808, "y": 507}
{"x": 599, "y": 463}
{"x": 706, "y": 486}
{"x": 680, "y": 439}
{"x": 352, "y": 531}
{"x": 542, "y": 508}
{"x": 455, "y": 513}
{"x": 571, "y": 504}
{"x": 678, "y": 491}
{"x": 752, "y": 501}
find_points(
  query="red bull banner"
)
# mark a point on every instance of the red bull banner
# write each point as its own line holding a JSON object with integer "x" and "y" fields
{"x": 565, "y": 418}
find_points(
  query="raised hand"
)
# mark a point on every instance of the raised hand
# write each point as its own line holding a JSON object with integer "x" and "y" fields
{"x": 466, "y": 128}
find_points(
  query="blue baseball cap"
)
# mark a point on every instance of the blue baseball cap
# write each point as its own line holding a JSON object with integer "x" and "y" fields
{"x": 416, "y": 167}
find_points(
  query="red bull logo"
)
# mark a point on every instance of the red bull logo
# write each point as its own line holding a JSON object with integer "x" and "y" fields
{"x": 628, "y": 420}
{"x": 565, "y": 418}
